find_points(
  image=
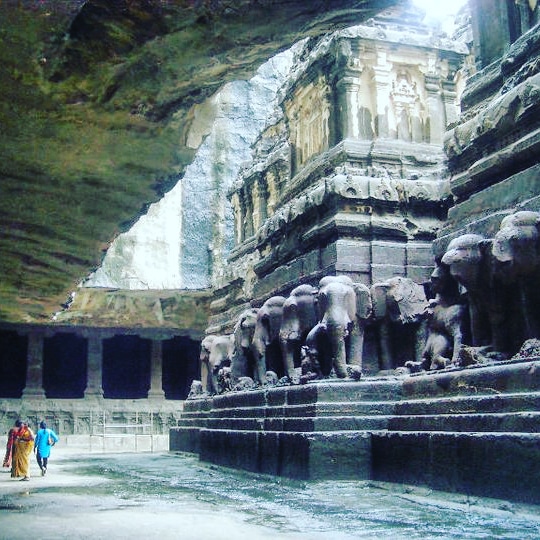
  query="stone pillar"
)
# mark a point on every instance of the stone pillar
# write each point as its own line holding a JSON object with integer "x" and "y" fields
{"x": 243, "y": 210}
{"x": 449, "y": 97}
{"x": 382, "y": 85}
{"x": 256, "y": 201}
{"x": 156, "y": 371}
{"x": 437, "y": 116}
{"x": 34, "y": 368}
{"x": 348, "y": 107}
{"x": 94, "y": 370}
{"x": 248, "y": 213}
{"x": 272, "y": 190}
{"x": 259, "y": 205}
{"x": 238, "y": 218}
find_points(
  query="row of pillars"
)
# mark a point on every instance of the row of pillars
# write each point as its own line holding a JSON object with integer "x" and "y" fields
{"x": 94, "y": 388}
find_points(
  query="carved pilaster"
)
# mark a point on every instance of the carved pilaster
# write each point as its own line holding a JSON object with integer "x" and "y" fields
{"x": 238, "y": 218}
{"x": 34, "y": 367}
{"x": 382, "y": 91}
{"x": 437, "y": 116}
{"x": 272, "y": 187}
{"x": 248, "y": 212}
{"x": 348, "y": 107}
{"x": 260, "y": 196}
{"x": 449, "y": 97}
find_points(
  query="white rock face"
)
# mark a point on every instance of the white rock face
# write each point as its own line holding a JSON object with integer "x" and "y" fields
{"x": 187, "y": 235}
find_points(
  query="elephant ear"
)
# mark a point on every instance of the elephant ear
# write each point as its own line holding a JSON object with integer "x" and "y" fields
{"x": 364, "y": 305}
{"x": 290, "y": 323}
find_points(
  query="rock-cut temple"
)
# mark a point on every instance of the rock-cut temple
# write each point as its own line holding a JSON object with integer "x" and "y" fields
{"x": 377, "y": 313}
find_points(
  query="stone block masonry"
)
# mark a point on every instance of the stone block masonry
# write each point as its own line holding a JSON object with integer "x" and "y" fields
{"x": 474, "y": 430}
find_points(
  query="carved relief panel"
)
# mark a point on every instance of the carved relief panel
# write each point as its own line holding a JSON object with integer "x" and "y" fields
{"x": 309, "y": 114}
{"x": 382, "y": 92}
{"x": 407, "y": 110}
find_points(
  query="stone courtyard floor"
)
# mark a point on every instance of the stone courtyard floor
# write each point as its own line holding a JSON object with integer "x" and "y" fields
{"x": 174, "y": 496}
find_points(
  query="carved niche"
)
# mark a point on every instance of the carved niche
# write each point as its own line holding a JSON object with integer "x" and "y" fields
{"x": 407, "y": 107}
{"x": 309, "y": 113}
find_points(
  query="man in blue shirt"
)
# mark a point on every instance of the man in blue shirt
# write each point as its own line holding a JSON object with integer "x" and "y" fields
{"x": 44, "y": 441}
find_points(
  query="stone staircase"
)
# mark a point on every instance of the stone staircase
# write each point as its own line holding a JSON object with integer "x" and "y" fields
{"x": 474, "y": 430}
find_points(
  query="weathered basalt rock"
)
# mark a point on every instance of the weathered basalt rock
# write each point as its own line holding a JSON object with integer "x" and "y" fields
{"x": 97, "y": 102}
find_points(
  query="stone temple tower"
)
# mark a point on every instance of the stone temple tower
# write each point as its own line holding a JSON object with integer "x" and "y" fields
{"x": 350, "y": 179}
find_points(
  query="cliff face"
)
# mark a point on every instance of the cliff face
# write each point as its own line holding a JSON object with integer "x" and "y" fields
{"x": 97, "y": 101}
{"x": 185, "y": 237}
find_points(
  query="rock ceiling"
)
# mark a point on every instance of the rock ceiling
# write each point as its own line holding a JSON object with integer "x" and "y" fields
{"x": 96, "y": 99}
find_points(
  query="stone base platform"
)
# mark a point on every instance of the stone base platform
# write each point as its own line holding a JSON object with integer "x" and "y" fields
{"x": 474, "y": 430}
{"x": 97, "y": 424}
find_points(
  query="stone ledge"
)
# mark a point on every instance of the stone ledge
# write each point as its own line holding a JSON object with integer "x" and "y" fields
{"x": 500, "y": 465}
{"x": 431, "y": 429}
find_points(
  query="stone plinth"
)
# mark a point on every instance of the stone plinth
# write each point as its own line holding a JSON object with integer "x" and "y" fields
{"x": 473, "y": 430}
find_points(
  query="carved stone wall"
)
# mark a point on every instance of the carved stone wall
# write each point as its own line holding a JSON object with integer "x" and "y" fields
{"x": 308, "y": 114}
{"x": 493, "y": 149}
{"x": 350, "y": 179}
{"x": 75, "y": 389}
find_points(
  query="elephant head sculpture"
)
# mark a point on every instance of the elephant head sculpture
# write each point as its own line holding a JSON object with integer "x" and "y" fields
{"x": 516, "y": 261}
{"x": 216, "y": 355}
{"x": 299, "y": 317}
{"x": 341, "y": 305}
{"x": 470, "y": 262}
{"x": 516, "y": 245}
{"x": 265, "y": 343}
{"x": 399, "y": 306}
{"x": 242, "y": 360}
{"x": 466, "y": 261}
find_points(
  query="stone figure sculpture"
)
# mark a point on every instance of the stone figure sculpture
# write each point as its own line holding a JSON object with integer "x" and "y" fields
{"x": 196, "y": 390}
{"x": 266, "y": 348}
{"x": 336, "y": 341}
{"x": 299, "y": 317}
{"x": 204, "y": 359}
{"x": 399, "y": 308}
{"x": 218, "y": 359}
{"x": 516, "y": 262}
{"x": 447, "y": 323}
{"x": 242, "y": 358}
{"x": 469, "y": 258}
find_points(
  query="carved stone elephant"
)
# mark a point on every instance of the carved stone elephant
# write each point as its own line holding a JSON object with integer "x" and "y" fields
{"x": 265, "y": 345}
{"x": 242, "y": 359}
{"x": 469, "y": 258}
{"x": 516, "y": 263}
{"x": 337, "y": 339}
{"x": 299, "y": 317}
{"x": 215, "y": 355}
{"x": 399, "y": 306}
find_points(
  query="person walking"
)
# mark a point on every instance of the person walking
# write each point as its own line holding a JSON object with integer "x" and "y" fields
{"x": 22, "y": 448}
{"x": 10, "y": 444}
{"x": 45, "y": 440}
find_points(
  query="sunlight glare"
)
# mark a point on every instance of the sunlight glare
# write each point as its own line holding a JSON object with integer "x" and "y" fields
{"x": 437, "y": 10}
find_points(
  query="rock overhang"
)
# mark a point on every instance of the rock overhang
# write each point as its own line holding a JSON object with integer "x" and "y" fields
{"x": 97, "y": 105}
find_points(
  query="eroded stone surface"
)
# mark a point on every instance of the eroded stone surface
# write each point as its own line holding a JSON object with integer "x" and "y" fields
{"x": 97, "y": 104}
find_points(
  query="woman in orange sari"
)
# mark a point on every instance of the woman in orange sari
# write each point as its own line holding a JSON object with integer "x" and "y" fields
{"x": 22, "y": 449}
